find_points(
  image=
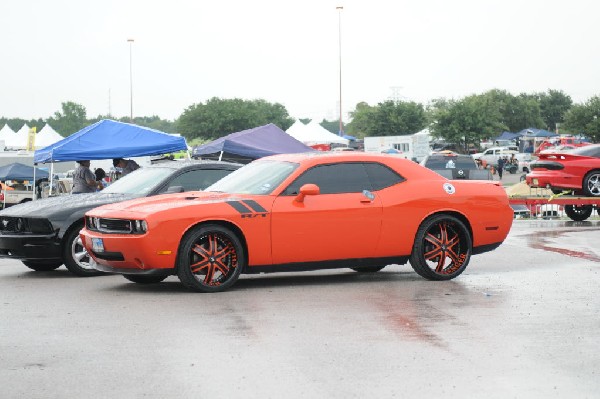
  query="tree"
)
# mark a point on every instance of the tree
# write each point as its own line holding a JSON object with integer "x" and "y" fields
{"x": 466, "y": 121}
{"x": 332, "y": 126}
{"x": 219, "y": 117}
{"x": 553, "y": 107}
{"x": 71, "y": 120}
{"x": 390, "y": 118}
{"x": 517, "y": 112}
{"x": 584, "y": 119}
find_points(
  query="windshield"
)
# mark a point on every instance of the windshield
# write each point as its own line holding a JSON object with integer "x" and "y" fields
{"x": 450, "y": 163}
{"x": 258, "y": 177}
{"x": 141, "y": 181}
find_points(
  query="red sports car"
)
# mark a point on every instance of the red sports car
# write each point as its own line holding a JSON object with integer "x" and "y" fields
{"x": 577, "y": 170}
{"x": 302, "y": 212}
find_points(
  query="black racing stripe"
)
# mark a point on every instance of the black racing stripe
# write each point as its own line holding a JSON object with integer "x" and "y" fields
{"x": 238, "y": 206}
{"x": 254, "y": 205}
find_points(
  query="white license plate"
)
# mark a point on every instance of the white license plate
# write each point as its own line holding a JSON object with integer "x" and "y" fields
{"x": 97, "y": 245}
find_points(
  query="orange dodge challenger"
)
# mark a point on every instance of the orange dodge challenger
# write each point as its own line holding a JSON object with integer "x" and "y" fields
{"x": 302, "y": 212}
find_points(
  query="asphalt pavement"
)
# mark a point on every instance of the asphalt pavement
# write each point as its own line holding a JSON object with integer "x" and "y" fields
{"x": 522, "y": 321}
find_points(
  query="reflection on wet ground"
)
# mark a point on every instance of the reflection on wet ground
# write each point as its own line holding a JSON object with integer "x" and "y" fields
{"x": 562, "y": 241}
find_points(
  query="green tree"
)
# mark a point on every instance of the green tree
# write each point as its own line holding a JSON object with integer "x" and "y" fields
{"x": 390, "y": 118}
{"x": 517, "y": 112}
{"x": 219, "y": 117}
{"x": 70, "y": 120}
{"x": 466, "y": 121}
{"x": 554, "y": 106}
{"x": 332, "y": 126}
{"x": 585, "y": 119}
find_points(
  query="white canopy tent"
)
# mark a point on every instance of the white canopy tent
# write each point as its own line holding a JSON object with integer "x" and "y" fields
{"x": 47, "y": 136}
{"x": 19, "y": 140}
{"x": 6, "y": 134}
{"x": 314, "y": 133}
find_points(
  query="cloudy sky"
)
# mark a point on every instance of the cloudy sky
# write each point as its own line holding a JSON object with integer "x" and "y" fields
{"x": 286, "y": 51}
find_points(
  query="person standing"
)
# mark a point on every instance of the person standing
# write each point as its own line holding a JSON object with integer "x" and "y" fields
{"x": 127, "y": 165}
{"x": 501, "y": 163}
{"x": 84, "y": 180}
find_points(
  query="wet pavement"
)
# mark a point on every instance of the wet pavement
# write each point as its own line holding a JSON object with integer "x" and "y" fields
{"x": 522, "y": 321}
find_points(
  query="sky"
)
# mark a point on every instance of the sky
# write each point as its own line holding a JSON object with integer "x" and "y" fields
{"x": 288, "y": 51}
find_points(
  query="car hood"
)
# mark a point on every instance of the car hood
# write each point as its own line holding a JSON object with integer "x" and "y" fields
{"x": 142, "y": 207}
{"x": 47, "y": 207}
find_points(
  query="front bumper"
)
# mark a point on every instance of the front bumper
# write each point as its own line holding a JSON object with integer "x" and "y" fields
{"x": 30, "y": 247}
{"x": 130, "y": 253}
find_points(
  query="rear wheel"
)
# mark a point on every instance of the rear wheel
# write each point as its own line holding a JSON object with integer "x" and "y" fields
{"x": 144, "y": 279}
{"x": 210, "y": 259}
{"x": 591, "y": 183}
{"x": 367, "y": 269}
{"x": 579, "y": 213}
{"x": 75, "y": 256}
{"x": 42, "y": 265}
{"x": 442, "y": 248}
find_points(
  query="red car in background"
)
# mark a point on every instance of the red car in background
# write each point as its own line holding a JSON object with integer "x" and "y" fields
{"x": 577, "y": 170}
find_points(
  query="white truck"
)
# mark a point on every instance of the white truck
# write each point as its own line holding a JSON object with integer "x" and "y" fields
{"x": 410, "y": 146}
{"x": 491, "y": 156}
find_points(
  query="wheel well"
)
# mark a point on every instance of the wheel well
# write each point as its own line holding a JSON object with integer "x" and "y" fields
{"x": 69, "y": 230}
{"x": 236, "y": 230}
{"x": 457, "y": 215}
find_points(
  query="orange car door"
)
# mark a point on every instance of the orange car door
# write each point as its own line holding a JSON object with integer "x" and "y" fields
{"x": 342, "y": 222}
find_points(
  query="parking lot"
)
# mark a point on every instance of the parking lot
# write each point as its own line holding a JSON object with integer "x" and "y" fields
{"x": 522, "y": 321}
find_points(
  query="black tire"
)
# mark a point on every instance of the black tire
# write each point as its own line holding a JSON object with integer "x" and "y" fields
{"x": 42, "y": 265}
{"x": 442, "y": 248}
{"x": 591, "y": 184}
{"x": 210, "y": 258}
{"x": 367, "y": 269}
{"x": 523, "y": 178}
{"x": 136, "y": 278}
{"x": 579, "y": 213}
{"x": 75, "y": 257}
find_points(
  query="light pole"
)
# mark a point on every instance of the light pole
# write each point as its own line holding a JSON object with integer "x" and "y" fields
{"x": 130, "y": 41}
{"x": 340, "y": 8}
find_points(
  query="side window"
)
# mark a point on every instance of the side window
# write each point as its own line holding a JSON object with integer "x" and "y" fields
{"x": 333, "y": 179}
{"x": 382, "y": 176}
{"x": 195, "y": 180}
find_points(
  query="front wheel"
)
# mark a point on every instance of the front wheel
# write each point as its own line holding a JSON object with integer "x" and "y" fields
{"x": 591, "y": 184}
{"x": 144, "y": 279}
{"x": 75, "y": 256}
{"x": 42, "y": 265}
{"x": 210, "y": 258}
{"x": 442, "y": 248}
{"x": 579, "y": 213}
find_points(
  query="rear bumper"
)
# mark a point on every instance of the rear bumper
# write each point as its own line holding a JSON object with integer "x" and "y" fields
{"x": 30, "y": 247}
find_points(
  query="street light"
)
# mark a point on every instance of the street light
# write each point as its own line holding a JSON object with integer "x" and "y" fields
{"x": 340, "y": 8}
{"x": 130, "y": 41}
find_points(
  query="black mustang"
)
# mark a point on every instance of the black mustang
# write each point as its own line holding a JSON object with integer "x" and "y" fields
{"x": 44, "y": 234}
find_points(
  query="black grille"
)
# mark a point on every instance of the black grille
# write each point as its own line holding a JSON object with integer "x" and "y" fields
{"x": 12, "y": 224}
{"x": 114, "y": 225}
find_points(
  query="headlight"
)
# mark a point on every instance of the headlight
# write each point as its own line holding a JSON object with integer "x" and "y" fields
{"x": 140, "y": 226}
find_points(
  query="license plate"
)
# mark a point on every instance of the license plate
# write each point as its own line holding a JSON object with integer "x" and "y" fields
{"x": 97, "y": 245}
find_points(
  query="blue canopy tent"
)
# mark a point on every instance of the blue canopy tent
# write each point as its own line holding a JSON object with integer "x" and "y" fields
{"x": 108, "y": 139}
{"x": 18, "y": 171}
{"x": 508, "y": 136}
{"x": 251, "y": 144}
{"x": 531, "y": 132}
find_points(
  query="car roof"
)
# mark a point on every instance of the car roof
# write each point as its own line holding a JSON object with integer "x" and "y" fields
{"x": 191, "y": 163}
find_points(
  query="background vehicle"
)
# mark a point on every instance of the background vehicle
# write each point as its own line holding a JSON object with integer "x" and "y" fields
{"x": 302, "y": 212}
{"x": 491, "y": 155}
{"x": 577, "y": 170}
{"x": 44, "y": 233}
{"x": 456, "y": 166}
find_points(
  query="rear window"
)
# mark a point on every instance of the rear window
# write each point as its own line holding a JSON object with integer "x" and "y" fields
{"x": 450, "y": 162}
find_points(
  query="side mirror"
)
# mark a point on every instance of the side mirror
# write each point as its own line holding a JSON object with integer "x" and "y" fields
{"x": 174, "y": 189}
{"x": 307, "y": 189}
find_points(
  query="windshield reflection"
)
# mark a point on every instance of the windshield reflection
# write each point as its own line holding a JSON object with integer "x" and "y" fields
{"x": 258, "y": 177}
{"x": 140, "y": 182}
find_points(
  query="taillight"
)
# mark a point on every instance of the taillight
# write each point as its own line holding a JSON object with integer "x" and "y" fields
{"x": 1, "y": 196}
{"x": 549, "y": 165}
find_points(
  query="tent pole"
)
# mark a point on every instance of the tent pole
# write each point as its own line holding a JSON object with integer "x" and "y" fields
{"x": 221, "y": 155}
{"x": 51, "y": 179}
{"x": 33, "y": 186}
